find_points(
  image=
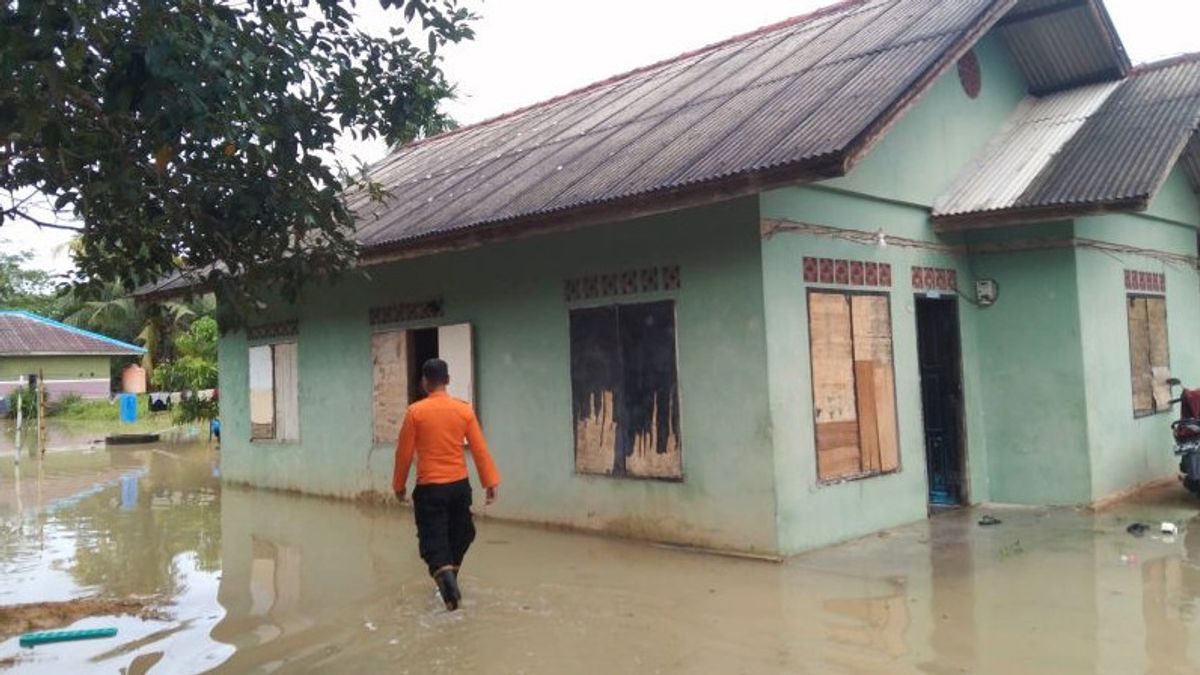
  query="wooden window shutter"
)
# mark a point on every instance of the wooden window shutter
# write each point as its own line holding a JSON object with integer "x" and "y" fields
{"x": 1160, "y": 356}
{"x": 834, "y": 409}
{"x": 853, "y": 379}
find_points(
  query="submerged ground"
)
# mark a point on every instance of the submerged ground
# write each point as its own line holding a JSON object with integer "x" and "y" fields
{"x": 251, "y": 581}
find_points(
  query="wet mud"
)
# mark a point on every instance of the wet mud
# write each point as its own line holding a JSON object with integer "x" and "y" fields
{"x": 257, "y": 581}
{"x": 38, "y": 616}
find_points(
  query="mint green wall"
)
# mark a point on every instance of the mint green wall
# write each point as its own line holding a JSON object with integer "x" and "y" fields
{"x": 1033, "y": 379}
{"x": 810, "y": 514}
{"x": 927, "y": 149}
{"x": 891, "y": 189}
{"x": 55, "y": 367}
{"x": 1176, "y": 200}
{"x": 1126, "y": 450}
{"x": 513, "y": 295}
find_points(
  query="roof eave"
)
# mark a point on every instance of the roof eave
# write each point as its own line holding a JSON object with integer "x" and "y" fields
{"x": 648, "y": 204}
{"x": 985, "y": 220}
{"x": 39, "y": 354}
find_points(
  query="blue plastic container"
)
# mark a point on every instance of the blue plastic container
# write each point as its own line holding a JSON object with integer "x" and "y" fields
{"x": 129, "y": 408}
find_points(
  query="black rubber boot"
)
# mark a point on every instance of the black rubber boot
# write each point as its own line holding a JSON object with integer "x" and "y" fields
{"x": 447, "y": 583}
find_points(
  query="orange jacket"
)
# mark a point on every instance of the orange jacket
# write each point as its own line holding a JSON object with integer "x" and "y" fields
{"x": 434, "y": 428}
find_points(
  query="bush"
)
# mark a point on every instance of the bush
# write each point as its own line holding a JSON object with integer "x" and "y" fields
{"x": 64, "y": 403}
{"x": 28, "y": 404}
{"x": 193, "y": 409}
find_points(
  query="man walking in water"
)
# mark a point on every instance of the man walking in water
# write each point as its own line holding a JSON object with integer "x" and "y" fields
{"x": 434, "y": 428}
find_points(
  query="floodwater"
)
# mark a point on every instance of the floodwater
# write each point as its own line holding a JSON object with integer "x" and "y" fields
{"x": 267, "y": 582}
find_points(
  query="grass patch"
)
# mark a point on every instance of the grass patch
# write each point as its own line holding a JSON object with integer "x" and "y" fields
{"x": 72, "y": 408}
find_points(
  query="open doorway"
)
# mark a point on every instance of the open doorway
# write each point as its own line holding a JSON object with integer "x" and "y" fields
{"x": 397, "y": 355}
{"x": 939, "y": 353}
{"x": 424, "y": 343}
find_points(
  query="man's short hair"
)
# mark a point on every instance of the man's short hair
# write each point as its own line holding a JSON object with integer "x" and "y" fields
{"x": 435, "y": 371}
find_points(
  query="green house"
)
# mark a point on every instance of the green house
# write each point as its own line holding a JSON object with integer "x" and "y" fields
{"x": 70, "y": 360}
{"x": 780, "y": 291}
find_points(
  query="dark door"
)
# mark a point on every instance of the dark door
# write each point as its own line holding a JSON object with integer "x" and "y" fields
{"x": 940, "y": 357}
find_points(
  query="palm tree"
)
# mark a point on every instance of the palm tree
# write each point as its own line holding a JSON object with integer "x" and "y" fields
{"x": 115, "y": 313}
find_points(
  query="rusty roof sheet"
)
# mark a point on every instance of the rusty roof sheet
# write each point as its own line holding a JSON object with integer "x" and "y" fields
{"x": 792, "y": 95}
{"x": 1102, "y": 146}
{"x": 28, "y": 334}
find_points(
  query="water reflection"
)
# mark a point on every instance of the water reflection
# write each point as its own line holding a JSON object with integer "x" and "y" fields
{"x": 261, "y": 581}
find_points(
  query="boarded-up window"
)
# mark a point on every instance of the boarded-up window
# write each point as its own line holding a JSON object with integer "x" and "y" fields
{"x": 389, "y": 357}
{"x": 854, "y": 393}
{"x": 625, "y": 391}
{"x": 274, "y": 392}
{"x": 1149, "y": 356}
{"x": 397, "y": 356}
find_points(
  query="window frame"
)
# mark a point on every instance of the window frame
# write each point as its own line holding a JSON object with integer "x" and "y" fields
{"x": 849, "y": 294}
{"x": 1130, "y": 298}
{"x": 274, "y": 438}
{"x": 614, "y": 303}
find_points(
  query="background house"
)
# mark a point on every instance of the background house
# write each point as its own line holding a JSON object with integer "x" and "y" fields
{"x": 729, "y": 299}
{"x": 72, "y": 360}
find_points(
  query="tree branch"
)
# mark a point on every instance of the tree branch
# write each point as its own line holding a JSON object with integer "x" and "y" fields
{"x": 41, "y": 223}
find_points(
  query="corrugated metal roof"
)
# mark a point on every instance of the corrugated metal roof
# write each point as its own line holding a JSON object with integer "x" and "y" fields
{"x": 27, "y": 334}
{"x": 1059, "y": 44}
{"x": 796, "y": 94}
{"x": 799, "y": 100}
{"x": 1104, "y": 145}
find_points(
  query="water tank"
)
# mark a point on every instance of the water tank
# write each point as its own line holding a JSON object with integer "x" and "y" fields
{"x": 133, "y": 379}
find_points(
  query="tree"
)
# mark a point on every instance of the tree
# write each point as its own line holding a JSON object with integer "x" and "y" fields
{"x": 22, "y": 286}
{"x": 113, "y": 312}
{"x": 194, "y": 136}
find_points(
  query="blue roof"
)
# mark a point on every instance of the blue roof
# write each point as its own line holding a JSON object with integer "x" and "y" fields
{"x": 26, "y": 333}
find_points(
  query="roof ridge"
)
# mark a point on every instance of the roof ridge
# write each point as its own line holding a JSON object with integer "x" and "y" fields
{"x": 612, "y": 79}
{"x": 73, "y": 329}
{"x": 1153, "y": 66}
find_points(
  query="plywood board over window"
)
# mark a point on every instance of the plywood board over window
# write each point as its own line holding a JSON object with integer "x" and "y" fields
{"x": 1149, "y": 354}
{"x": 625, "y": 391}
{"x": 853, "y": 378}
{"x": 389, "y": 399}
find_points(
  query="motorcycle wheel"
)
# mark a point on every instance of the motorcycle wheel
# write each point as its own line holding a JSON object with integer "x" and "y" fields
{"x": 1192, "y": 485}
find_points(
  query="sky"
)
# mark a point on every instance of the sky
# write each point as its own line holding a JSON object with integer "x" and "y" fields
{"x": 526, "y": 51}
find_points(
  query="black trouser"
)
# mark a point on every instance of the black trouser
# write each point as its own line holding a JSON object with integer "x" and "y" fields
{"x": 444, "y": 526}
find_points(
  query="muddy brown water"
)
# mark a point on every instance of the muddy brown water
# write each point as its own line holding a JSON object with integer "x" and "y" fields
{"x": 267, "y": 582}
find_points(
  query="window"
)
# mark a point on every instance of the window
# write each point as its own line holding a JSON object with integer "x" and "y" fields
{"x": 625, "y": 392}
{"x": 854, "y": 393}
{"x": 1149, "y": 357}
{"x": 274, "y": 392}
{"x": 396, "y": 357}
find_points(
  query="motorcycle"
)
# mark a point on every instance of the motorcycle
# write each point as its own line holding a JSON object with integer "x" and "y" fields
{"x": 1186, "y": 430}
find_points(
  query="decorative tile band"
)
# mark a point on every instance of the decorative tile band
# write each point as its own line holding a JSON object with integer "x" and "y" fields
{"x": 847, "y": 272}
{"x": 629, "y": 282}
{"x": 934, "y": 279}
{"x": 406, "y": 311}
{"x": 1145, "y": 282}
{"x": 269, "y": 331}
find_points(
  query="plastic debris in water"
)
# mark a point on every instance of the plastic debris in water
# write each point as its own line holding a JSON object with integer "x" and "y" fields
{"x": 46, "y": 637}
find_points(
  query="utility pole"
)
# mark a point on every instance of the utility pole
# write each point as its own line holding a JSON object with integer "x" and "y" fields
{"x": 41, "y": 410}
{"x": 20, "y": 407}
